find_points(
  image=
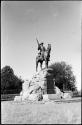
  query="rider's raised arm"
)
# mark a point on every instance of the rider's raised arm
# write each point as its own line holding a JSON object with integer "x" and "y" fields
{"x": 38, "y": 44}
{"x": 39, "y": 47}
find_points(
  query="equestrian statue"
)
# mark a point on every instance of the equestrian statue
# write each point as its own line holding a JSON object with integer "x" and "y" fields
{"x": 43, "y": 54}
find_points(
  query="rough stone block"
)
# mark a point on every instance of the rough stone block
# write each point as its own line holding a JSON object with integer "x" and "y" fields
{"x": 18, "y": 98}
{"x": 33, "y": 97}
{"x": 54, "y": 96}
{"x": 45, "y": 97}
{"x": 67, "y": 95}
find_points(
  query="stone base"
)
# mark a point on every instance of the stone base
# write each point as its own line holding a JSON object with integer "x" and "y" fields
{"x": 40, "y": 85}
{"x": 54, "y": 96}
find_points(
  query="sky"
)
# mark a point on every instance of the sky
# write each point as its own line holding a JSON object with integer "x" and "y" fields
{"x": 54, "y": 22}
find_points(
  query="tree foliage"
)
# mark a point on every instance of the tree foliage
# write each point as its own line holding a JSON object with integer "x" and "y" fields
{"x": 9, "y": 81}
{"x": 64, "y": 77}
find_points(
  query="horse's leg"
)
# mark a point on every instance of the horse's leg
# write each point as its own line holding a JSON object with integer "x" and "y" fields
{"x": 41, "y": 65}
{"x": 36, "y": 65}
{"x": 46, "y": 63}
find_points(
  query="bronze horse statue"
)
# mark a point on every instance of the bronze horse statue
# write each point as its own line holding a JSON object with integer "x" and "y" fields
{"x": 46, "y": 58}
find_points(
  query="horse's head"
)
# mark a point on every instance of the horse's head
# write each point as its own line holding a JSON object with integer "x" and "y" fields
{"x": 47, "y": 52}
{"x": 49, "y": 48}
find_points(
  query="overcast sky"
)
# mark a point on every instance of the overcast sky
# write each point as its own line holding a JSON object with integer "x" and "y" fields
{"x": 54, "y": 22}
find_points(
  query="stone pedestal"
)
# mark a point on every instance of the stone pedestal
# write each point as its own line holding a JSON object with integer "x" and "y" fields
{"x": 43, "y": 79}
{"x": 41, "y": 84}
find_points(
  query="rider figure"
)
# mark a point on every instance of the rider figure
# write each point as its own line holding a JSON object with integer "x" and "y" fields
{"x": 42, "y": 50}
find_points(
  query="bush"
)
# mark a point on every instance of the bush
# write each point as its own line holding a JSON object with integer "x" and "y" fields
{"x": 64, "y": 77}
{"x": 10, "y": 83}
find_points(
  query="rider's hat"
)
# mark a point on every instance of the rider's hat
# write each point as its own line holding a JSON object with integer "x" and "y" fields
{"x": 41, "y": 43}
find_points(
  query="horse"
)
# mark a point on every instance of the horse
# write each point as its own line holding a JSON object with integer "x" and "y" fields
{"x": 40, "y": 60}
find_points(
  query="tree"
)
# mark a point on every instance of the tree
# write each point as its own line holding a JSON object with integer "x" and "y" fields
{"x": 9, "y": 81}
{"x": 64, "y": 77}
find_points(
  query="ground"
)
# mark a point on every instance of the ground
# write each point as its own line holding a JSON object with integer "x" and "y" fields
{"x": 48, "y": 113}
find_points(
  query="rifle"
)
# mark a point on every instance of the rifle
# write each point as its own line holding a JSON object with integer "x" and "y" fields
{"x": 38, "y": 43}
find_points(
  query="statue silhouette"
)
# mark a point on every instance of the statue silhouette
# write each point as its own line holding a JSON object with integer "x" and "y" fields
{"x": 43, "y": 55}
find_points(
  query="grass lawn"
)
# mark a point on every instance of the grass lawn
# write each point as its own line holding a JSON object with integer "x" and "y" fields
{"x": 48, "y": 113}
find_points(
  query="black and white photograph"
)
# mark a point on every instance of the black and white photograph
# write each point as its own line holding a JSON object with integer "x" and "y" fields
{"x": 41, "y": 62}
